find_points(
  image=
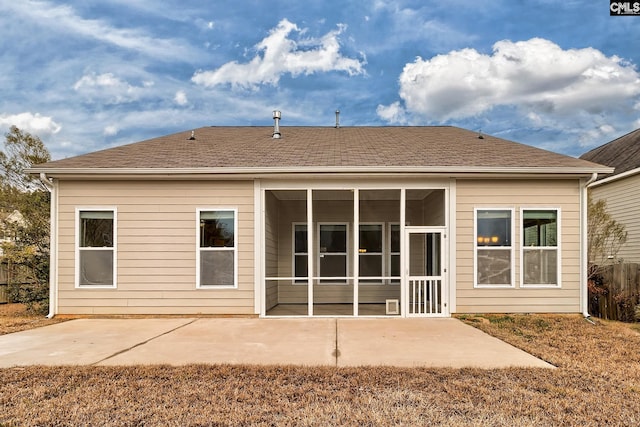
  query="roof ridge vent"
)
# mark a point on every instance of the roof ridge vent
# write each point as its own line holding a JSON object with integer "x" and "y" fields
{"x": 276, "y": 124}
{"x": 337, "y": 119}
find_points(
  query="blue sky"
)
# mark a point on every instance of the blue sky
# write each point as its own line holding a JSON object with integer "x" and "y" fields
{"x": 560, "y": 75}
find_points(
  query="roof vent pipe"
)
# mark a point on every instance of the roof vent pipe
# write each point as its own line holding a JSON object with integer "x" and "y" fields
{"x": 276, "y": 124}
{"x": 337, "y": 119}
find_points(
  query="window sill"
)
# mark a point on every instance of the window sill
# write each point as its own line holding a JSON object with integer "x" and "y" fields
{"x": 494, "y": 286}
{"x": 96, "y": 287}
{"x": 214, "y": 287}
{"x": 540, "y": 286}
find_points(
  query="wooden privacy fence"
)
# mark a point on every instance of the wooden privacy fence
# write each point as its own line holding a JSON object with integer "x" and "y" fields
{"x": 4, "y": 284}
{"x": 618, "y": 295}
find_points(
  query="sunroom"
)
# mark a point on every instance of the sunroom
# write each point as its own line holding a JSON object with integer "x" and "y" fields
{"x": 354, "y": 251}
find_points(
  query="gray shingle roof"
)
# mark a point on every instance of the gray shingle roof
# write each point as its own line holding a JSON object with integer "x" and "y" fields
{"x": 622, "y": 153}
{"x": 307, "y": 148}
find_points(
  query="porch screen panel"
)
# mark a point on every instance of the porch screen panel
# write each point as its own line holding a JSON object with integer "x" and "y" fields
{"x": 425, "y": 207}
{"x": 286, "y": 252}
{"x": 378, "y": 252}
{"x": 332, "y": 251}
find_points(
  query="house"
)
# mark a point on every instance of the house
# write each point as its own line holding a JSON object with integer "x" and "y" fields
{"x": 621, "y": 189}
{"x": 319, "y": 221}
{"x": 9, "y": 222}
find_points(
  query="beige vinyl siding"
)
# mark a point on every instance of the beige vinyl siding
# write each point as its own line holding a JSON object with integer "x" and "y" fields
{"x": 623, "y": 203}
{"x": 156, "y": 253}
{"x": 561, "y": 194}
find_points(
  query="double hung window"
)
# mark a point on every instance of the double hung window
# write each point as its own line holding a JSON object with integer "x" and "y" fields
{"x": 96, "y": 260}
{"x": 370, "y": 257}
{"x": 394, "y": 252}
{"x": 333, "y": 252}
{"x": 493, "y": 248}
{"x": 300, "y": 252}
{"x": 217, "y": 250}
{"x": 540, "y": 247}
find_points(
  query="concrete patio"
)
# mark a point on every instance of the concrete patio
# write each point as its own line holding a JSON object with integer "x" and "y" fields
{"x": 340, "y": 342}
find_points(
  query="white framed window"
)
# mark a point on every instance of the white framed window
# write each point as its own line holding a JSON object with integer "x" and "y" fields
{"x": 394, "y": 253}
{"x": 333, "y": 258}
{"x": 217, "y": 255}
{"x": 540, "y": 255}
{"x": 493, "y": 247}
{"x": 96, "y": 245}
{"x": 300, "y": 262}
{"x": 371, "y": 252}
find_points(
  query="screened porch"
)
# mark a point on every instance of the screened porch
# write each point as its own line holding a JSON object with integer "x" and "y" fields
{"x": 339, "y": 252}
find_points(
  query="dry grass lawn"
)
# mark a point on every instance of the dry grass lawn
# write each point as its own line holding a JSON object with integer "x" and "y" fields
{"x": 597, "y": 382}
{"x": 15, "y": 318}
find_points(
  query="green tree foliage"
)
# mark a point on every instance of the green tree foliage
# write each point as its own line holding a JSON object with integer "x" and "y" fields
{"x": 26, "y": 255}
{"x": 605, "y": 236}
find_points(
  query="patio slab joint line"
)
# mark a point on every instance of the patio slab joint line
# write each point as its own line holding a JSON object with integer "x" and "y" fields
{"x": 336, "y": 348}
{"x": 142, "y": 343}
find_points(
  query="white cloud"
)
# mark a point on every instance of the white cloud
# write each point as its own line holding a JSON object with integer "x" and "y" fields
{"x": 279, "y": 54}
{"x": 32, "y": 123}
{"x": 393, "y": 113}
{"x": 65, "y": 18}
{"x": 535, "y": 75}
{"x": 110, "y": 130}
{"x": 181, "y": 98}
{"x": 112, "y": 89}
{"x": 406, "y": 26}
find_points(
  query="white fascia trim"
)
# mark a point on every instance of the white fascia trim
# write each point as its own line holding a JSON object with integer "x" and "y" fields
{"x": 615, "y": 177}
{"x": 322, "y": 169}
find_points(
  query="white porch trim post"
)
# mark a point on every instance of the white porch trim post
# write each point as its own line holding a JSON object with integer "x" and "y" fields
{"x": 259, "y": 272}
{"x": 584, "y": 245}
{"x": 404, "y": 294}
{"x": 356, "y": 248}
{"x": 310, "y": 252}
{"x": 452, "y": 247}
{"x": 53, "y": 251}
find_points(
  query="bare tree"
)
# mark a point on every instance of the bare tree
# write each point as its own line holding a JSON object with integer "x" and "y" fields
{"x": 605, "y": 236}
{"x": 27, "y": 252}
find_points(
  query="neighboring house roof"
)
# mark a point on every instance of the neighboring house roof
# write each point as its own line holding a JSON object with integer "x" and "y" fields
{"x": 245, "y": 150}
{"x": 623, "y": 154}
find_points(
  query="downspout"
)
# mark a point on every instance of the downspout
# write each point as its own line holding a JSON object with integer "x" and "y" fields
{"x": 53, "y": 242}
{"x": 584, "y": 278}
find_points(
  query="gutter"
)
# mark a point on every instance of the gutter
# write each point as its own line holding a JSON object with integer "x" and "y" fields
{"x": 584, "y": 261}
{"x": 616, "y": 177}
{"x": 53, "y": 242}
{"x": 297, "y": 170}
